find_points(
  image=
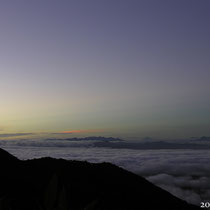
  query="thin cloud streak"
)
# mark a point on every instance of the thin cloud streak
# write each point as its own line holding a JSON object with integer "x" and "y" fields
{"x": 82, "y": 131}
{"x": 15, "y": 134}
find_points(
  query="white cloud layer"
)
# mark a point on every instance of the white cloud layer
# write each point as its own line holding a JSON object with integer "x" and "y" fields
{"x": 184, "y": 173}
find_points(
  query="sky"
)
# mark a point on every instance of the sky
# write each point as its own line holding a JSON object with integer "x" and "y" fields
{"x": 123, "y": 68}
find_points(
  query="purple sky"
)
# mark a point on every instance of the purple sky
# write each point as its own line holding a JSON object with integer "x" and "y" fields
{"x": 120, "y": 67}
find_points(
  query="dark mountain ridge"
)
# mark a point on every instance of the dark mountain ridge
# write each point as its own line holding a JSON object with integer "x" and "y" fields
{"x": 152, "y": 145}
{"x": 58, "y": 184}
{"x": 91, "y": 138}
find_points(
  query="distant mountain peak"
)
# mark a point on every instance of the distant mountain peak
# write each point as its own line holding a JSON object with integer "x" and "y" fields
{"x": 204, "y": 138}
{"x": 92, "y": 138}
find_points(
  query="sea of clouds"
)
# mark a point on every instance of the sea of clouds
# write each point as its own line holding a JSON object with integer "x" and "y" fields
{"x": 184, "y": 173}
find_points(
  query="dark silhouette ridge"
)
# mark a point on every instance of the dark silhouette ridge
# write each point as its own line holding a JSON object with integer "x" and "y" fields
{"x": 6, "y": 157}
{"x": 57, "y": 184}
{"x": 151, "y": 145}
{"x": 91, "y": 138}
{"x": 204, "y": 138}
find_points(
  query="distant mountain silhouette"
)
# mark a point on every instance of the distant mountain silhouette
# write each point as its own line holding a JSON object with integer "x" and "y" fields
{"x": 204, "y": 138}
{"x": 151, "y": 145}
{"x": 57, "y": 184}
{"x": 91, "y": 138}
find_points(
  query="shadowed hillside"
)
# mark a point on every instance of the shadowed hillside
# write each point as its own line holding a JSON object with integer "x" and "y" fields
{"x": 57, "y": 184}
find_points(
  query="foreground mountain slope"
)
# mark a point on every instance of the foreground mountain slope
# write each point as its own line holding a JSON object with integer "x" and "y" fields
{"x": 57, "y": 184}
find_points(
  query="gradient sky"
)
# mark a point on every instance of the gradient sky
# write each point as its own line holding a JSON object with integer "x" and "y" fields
{"x": 124, "y": 68}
